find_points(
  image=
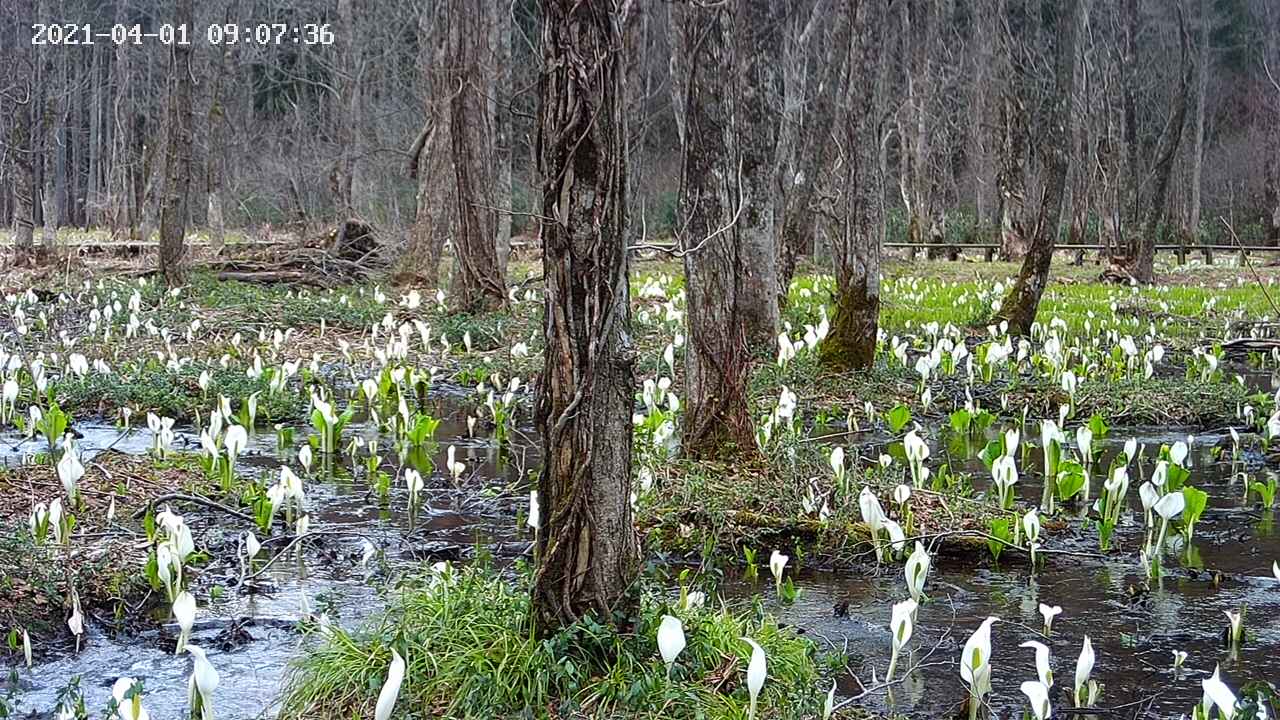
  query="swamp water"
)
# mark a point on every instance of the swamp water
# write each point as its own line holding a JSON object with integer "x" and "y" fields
{"x": 1133, "y": 631}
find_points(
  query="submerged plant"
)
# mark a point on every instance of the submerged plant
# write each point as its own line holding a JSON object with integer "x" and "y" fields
{"x": 1004, "y": 474}
{"x": 126, "y": 694}
{"x": 1050, "y": 443}
{"x": 1216, "y": 695}
{"x": 1235, "y": 628}
{"x": 917, "y": 451}
{"x": 1266, "y": 491}
{"x": 328, "y": 424}
{"x": 1043, "y": 672}
{"x": 184, "y": 611}
{"x": 1194, "y": 501}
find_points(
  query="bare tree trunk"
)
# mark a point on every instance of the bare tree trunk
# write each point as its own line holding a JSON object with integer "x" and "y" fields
{"x": 22, "y": 140}
{"x": 851, "y": 341}
{"x": 757, "y": 52}
{"x": 1142, "y": 267}
{"x": 177, "y": 174}
{"x": 433, "y": 214}
{"x": 1271, "y": 184}
{"x": 587, "y": 550}
{"x": 1015, "y": 236}
{"x": 1197, "y": 152}
{"x": 429, "y": 156}
{"x": 918, "y": 26}
{"x": 214, "y": 175}
{"x": 120, "y": 179}
{"x": 478, "y": 281}
{"x": 713, "y": 233}
{"x": 501, "y": 111}
{"x": 801, "y": 143}
{"x": 342, "y": 174}
{"x": 44, "y": 160}
{"x": 1271, "y": 166}
{"x": 1019, "y": 306}
{"x": 1129, "y": 89}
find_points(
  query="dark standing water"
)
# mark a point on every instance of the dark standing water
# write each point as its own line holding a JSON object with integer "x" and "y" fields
{"x": 1133, "y": 632}
{"x": 449, "y": 523}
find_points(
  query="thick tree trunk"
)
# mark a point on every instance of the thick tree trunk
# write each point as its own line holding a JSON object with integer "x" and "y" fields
{"x": 851, "y": 341}
{"x": 478, "y": 282}
{"x": 587, "y": 550}
{"x": 756, "y": 54}
{"x": 716, "y": 252}
{"x": 429, "y": 155}
{"x": 1020, "y": 305}
{"x": 434, "y": 207}
{"x": 1129, "y": 90}
{"x": 177, "y": 173}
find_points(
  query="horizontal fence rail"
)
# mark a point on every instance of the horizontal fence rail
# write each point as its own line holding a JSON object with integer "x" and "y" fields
{"x": 1159, "y": 248}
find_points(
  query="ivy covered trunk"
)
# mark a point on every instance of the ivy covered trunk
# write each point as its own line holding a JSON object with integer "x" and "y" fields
{"x": 1020, "y": 305}
{"x": 587, "y": 550}
{"x": 854, "y": 212}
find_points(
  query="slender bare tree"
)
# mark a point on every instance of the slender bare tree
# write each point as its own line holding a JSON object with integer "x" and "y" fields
{"x": 1022, "y": 301}
{"x": 177, "y": 161}
{"x": 1142, "y": 251}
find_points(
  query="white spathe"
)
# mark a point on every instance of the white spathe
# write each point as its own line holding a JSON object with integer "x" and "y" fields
{"x": 670, "y": 639}
{"x": 756, "y": 671}
{"x": 391, "y": 688}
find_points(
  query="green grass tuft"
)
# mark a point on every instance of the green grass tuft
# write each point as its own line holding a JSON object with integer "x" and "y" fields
{"x": 470, "y": 652}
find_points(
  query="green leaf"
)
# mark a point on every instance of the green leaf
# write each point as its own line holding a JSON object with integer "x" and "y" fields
{"x": 1070, "y": 480}
{"x": 992, "y": 452}
{"x": 898, "y": 418}
{"x": 1000, "y": 528}
{"x": 1098, "y": 426}
{"x": 1196, "y": 500}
